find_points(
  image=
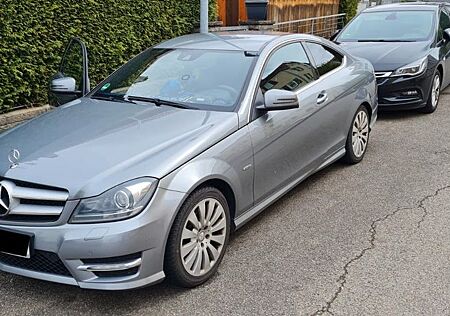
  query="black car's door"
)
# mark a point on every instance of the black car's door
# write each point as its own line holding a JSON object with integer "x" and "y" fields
{"x": 72, "y": 81}
{"x": 444, "y": 45}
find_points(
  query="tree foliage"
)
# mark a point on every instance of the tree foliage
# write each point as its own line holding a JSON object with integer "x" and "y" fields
{"x": 33, "y": 35}
{"x": 348, "y": 7}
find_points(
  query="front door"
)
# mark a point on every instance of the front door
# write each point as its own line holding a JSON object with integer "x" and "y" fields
{"x": 284, "y": 141}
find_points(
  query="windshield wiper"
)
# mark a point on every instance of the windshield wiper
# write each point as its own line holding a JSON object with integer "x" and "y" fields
{"x": 111, "y": 98}
{"x": 383, "y": 40}
{"x": 159, "y": 102}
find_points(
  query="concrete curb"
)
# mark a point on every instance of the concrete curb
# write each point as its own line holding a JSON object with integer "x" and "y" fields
{"x": 11, "y": 119}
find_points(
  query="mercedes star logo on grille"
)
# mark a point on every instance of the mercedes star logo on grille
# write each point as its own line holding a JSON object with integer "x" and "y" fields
{"x": 4, "y": 201}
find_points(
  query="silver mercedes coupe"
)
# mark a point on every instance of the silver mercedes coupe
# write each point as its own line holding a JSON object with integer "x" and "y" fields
{"x": 146, "y": 176}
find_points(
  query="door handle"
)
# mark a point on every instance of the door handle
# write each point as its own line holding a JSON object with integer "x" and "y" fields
{"x": 322, "y": 97}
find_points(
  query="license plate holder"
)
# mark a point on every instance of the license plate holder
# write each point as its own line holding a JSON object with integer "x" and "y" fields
{"x": 17, "y": 244}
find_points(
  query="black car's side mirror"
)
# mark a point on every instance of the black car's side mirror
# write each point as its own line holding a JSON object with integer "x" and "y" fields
{"x": 276, "y": 100}
{"x": 335, "y": 34}
{"x": 446, "y": 35}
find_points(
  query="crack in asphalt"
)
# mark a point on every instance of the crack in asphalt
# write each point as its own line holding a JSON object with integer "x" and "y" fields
{"x": 425, "y": 199}
{"x": 342, "y": 280}
{"x": 443, "y": 151}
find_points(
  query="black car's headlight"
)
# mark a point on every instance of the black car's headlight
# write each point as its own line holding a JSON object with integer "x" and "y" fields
{"x": 412, "y": 69}
{"x": 121, "y": 202}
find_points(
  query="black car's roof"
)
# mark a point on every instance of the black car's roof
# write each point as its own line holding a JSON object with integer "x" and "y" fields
{"x": 407, "y": 6}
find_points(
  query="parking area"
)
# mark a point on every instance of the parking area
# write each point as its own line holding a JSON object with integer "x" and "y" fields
{"x": 367, "y": 239}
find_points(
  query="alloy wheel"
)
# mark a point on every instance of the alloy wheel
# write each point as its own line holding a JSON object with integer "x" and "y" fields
{"x": 360, "y": 134}
{"x": 436, "y": 91}
{"x": 203, "y": 237}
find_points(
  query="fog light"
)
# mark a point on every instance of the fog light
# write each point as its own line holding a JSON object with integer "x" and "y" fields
{"x": 410, "y": 93}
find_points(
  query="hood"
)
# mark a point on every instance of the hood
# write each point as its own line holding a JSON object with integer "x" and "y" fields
{"x": 387, "y": 56}
{"x": 89, "y": 146}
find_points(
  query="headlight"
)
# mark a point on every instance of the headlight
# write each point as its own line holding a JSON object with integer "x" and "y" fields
{"x": 121, "y": 202}
{"x": 412, "y": 69}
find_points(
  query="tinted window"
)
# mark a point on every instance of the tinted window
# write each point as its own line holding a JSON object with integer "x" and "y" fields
{"x": 444, "y": 23}
{"x": 325, "y": 58}
{"x": 390, "y": 26}
{"x": 205, "y": 79}
{"x": 288, "y": 69}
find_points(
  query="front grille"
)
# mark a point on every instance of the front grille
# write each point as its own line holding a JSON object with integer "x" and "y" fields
{"x": 23, "y": 202}
{"x": 40, "y": 261}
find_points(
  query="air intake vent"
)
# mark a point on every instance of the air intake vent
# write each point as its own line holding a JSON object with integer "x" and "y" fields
{"x": 41, "y": 261}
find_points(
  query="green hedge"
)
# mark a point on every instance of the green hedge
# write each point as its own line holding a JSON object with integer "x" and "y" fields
{"x": 349, "y": 7}
{"x": 33, "y": 35}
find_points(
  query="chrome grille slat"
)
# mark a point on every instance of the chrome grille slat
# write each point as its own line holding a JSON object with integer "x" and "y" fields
{"x": 383, "y": 74}
{"x": 39, "y": 194}
{"x": 36, "y": 210}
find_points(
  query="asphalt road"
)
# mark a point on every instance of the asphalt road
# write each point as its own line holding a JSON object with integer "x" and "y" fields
{"x": 371, "y": 239}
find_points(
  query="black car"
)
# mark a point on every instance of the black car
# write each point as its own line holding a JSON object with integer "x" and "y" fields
{"x": 408, "y": 45}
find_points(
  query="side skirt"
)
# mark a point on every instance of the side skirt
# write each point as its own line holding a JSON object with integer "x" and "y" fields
{"x": 255, "y": 210}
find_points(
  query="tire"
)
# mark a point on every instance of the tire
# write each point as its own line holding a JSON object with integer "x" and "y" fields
{"x": 194, "y": 242}
{"x": 358, "y": 135}
{"x": 435, "y": 92}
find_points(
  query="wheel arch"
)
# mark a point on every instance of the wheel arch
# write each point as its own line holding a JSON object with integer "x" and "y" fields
{"x": 440, "y": 68}
{"x": 368, "y": 108}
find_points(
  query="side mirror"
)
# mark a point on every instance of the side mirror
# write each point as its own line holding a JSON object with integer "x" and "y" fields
{"x": 446, "y": 35}
{"x": 72, "y": 80}
{"x": 335, "y": 34}
{"x": 276, "y": 100}
{"x": 64, "y": 84}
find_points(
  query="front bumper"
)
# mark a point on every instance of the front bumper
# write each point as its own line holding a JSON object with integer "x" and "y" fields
{"x": 108, "y": 256}
{"x": 404, "y": 93}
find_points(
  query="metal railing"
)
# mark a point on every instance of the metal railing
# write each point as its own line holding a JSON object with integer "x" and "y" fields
{"x": 324, "y": 26}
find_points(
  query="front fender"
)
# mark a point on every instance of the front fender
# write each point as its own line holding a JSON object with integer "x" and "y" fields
{"x": 230, "y": 160}
{"x": 193, "y": 174}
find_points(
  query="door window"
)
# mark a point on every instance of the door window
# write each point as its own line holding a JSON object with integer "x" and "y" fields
{"x": 326, "y": 59}
{"x": 72, "y": 65}
{"x": 444, "y": 23}
{"x": 288, "y": 69}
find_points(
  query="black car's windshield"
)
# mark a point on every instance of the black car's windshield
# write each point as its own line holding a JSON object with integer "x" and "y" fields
{"x": 198, "y": 79}
{"x": 390, "y": 26}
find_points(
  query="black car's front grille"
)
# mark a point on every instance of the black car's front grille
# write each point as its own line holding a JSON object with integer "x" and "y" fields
{"x": 41, "y": 261}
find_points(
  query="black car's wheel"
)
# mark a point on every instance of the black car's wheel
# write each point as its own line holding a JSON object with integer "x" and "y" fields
{"x": 358, "y": 137}
{"x": 198, "y": 239}
{"x": 435, "y": 93}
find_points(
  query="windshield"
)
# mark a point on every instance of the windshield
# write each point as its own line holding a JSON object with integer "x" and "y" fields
{"x": 200, "y": 79}
{"x": 394, "y": 26}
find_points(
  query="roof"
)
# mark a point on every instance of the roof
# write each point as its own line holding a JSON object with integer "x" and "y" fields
{"x": 403, "y": 6}
{"x": 238, "y": 41}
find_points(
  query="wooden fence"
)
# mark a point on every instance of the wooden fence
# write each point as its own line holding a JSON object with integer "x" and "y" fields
{"x": 232, "y": 11}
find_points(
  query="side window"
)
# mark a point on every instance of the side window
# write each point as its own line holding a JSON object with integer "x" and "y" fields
{"x": 444, "y": 23}
{"x": 326, "y": 59}
{"x": 288, "y": 69}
